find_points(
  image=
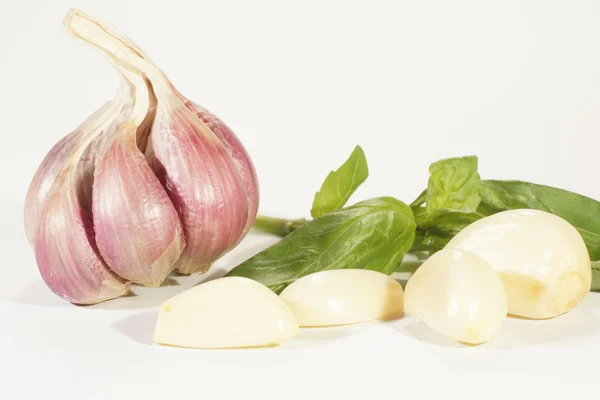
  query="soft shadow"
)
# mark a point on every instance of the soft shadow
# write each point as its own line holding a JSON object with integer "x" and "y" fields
{"x": 143, "y": 297}
{"x": 169, "y": 281}
{"x": 38, "y": 294}
{"x": 423, "y": 333}
{"x": 312, "y": 337}
{"x": 575, "y": 324}
{"x": 138, "y": 327}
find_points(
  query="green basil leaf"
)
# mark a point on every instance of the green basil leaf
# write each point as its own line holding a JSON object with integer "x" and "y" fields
{"x": 453, "y": 185}
{"x": 451, "y": 201}
{"x": 447, "y": 223}
{"x": 373, "y": 234}
{"x": 340, "y": 184}
{"x": 580, "y": 211}
{"x": 435, "y": 230}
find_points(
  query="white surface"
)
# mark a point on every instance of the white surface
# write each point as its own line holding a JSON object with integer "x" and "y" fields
{"x": 301, "y": 83}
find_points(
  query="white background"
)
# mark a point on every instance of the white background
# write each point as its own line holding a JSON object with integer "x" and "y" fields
{"x": 301, "y": 83}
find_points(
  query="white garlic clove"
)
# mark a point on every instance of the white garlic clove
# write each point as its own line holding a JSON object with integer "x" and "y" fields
{"x": 459, "y": 295}
{"x": 138, "y": 231}
{"x": 225, "y": 313}
{"x": 541, "y": 258}
{"x": 344, "y": 296}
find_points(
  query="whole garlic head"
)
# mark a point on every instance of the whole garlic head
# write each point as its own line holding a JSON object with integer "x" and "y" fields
{"x": 459, "y": 295}
{"x": 541, "y": 258}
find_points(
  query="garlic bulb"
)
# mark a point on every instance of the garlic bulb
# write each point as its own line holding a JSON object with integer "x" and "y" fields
{"x": 344, "y": 296}
{"x": 138, "y": 232}
{"x": 459, "y": 295}
{"x": 541, "y": 258}
{"x": 205, "y": 169}
{"x": 224, "y": 313}
{"x": 149, "y": 183}
{"x": 64, "y": 244}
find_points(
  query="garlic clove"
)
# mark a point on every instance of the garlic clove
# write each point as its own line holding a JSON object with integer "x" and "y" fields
{"x": 238, "y": 155}
{"x": 541, "y": 258}
{"x": 217, "y": 209}
{"x": 138, "y": 231}
{"x": 345, "y": 296}
{"x": 54, "y": 161}
{"x": 225, "y": 313}
{"x": 459, "y": 295}
{"x": 214, "y": 210}
{"x": 64, "y": 246}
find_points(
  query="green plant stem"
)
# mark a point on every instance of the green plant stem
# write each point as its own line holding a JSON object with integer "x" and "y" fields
{"x": 277, "y": 226}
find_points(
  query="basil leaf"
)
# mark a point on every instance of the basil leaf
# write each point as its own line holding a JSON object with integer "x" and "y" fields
{"x": 451, "y": 201}
{"x": 373, "y": 234}
{"x": 340, "y": 184}
{"x": 580, "y": 211}
{"x": 453, "y": 185}
{"x": 447, "y": 223}
{"x": 436, "y": 230}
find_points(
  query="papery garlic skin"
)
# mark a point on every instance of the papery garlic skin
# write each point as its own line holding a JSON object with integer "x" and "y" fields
{"x": 54, "y": 161}
{"x": 238, "y": 155}
{"x": 541, "y": 258}
{"x": 344, "y": 296}
{"x": 459, "y": 295}
{"x": 64, "y": 245}
{"x": 225, "y": 313}
{"x": 203, "y": 183}
{"x": 137, "y": 228}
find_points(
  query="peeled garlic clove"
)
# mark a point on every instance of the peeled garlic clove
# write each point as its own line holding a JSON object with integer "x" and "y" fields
{"x": 137, "y": 228}
{"x": 64, "y": 246}
{"x": 459, "y": 295}
{"x": 345, "y": 296}
{"x": 54, "y": 161}
{"x": 207, "y": 173}
{"x": 225, "y": 313}
{"x": 541, "y": 258}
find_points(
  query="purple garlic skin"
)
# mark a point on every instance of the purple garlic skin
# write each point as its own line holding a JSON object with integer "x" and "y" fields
{"x": 65, "y": 248}
{"x": 138, "y": 231}
{"x": 238, "y": 155}
{"x": 48, "y": 170}
{"x": 209, "y": 178}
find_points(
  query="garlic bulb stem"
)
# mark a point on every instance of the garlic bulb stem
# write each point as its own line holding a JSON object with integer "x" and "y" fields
{"x": 118, "y": 47}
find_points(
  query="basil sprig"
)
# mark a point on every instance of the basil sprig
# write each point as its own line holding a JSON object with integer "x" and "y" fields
{"x": 376, "y": 234}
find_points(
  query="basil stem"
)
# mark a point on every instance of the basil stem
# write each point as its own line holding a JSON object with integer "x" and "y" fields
{"x": 277, "y": 226}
